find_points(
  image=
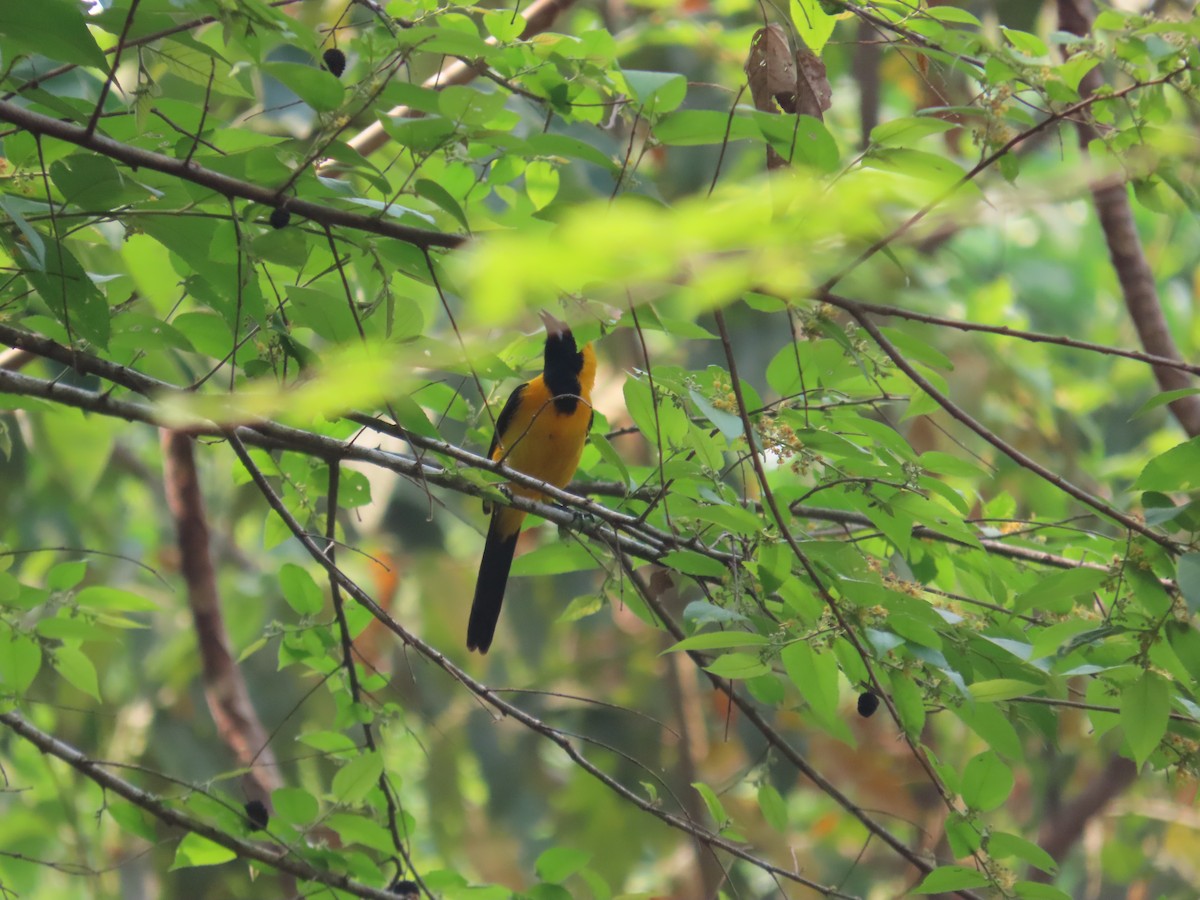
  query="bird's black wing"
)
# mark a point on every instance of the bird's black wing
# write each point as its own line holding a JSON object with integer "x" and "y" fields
{"x": 506, "y": 416}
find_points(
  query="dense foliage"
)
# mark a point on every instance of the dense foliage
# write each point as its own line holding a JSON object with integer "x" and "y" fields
{"x": 881, "y": 571}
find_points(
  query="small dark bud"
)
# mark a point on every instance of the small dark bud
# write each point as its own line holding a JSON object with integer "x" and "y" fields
{"x": 335, "y": 61}
{"x": 257, "y": 815}
{"x": 405, "y": 889}
{"x": 867, "y": 704}
{"x": 280, "y": 217}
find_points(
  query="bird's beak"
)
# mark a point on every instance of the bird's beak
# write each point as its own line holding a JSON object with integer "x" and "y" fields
{"x": 553, "y": 326}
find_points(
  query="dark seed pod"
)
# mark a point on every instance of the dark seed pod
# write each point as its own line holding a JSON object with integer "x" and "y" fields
{"x": 257, "y": 815}
{"x": 867, "y": 704}
{"x": 335, "y": 61}
{"x": 280, "y": 217}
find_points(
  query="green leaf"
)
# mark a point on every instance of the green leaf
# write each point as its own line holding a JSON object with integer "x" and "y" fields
{"x": 773, "y": 808}
{"x": 354, "y": 829}
{"x": 813, "y": 24}
{"x": 816, "y": 676}
{"x": 963, "y": 835}
{"x": 132, "y": 819}
{"x": 1187, "y": 576}
{"x": 555, "y": 558}
{"x": 295, "y": 806}
{"x": 20, "y": 662}
{"x": 1185, "y": 641}
{"x": 738, "y": 666}
{"x": 53, "y": 28}
{"x": 100, "y": 597}
{"x": 195, "y": 850}
{"x": 300, "y": 590}
{"x": 1028, "y": 44}
{"x": 691, "y": 127}
{"x": 1057, "y": 593}
{"x": 715, "y": 808}
{"x": 910, "y": 704}
{"x": 435, "y": 193}
{"x": 564, "y": 145}
{"x": 955, "y": 14}
{"x": 455, "y": 35}
{"x": 326, "y": 313}
{"x": 541, "y": 182}
{"x": 76, "y": 669}
{"x": 719, "y": 640}
{"x": 559, "y": 863}
{"x": 729, "y": 423}
{"x": 65, "y": 627}
{"x": 801, "y": 140}
{"x": 986, "y": 782}
{"x": 909, "y": 129}
{"x": 319, "y": 89}
{"x": 66, "y": 575}
{"x": 927, "y": 167}
{"x": 503, "y": 24}
{"x": 1178, "y": 469}
{"x": 94, "y": 182}
{"x": 692, "y": 563}
{"x": 951, "y": 878}
{"x": 353, "y": 781}
{"x": 1002, "y": 845}
{"x": 995, "y": 689}
{"x": 1145, "y": 708}
{"x": 639, "y": 401}
{"x": 581, "y": 607}
{"x": 658, "y": 92}
{"x": 69, "y": 292}
{"x": 1162, "y": 399}
{"x": 468, "y": 105}
{"x": 993, "y": 726}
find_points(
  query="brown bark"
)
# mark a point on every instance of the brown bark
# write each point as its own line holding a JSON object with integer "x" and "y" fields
{"x": 224, "y": 688}
{"x": 1064, "y": 827}
{"x": 867, "y": 57}
{"x": 15, "y": 360}
{"x": 1125, "y": 247}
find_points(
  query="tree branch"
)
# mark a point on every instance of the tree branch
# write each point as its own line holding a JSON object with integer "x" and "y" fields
{"x": 538, "y": 17}
{"x": 1125, "y": 246}
{"x": 327, "y": 216}
{"x": 275, "y": 856}
{"x": 1000, "y": 444}
{"x": 491, "y": 698}
{"x": 228, "y": 697}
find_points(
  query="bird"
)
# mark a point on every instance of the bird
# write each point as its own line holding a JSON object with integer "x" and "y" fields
{"x": 541, "y": 431}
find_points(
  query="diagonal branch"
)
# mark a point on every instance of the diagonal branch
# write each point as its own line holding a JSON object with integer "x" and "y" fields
{"x": 490, "y": 697}
{"x": 275, "y": 856}
{"x": 987, "y": 162}
{"x": 328, "y": 216}
{"x": 999, "y": 443}
{"x": 1033, "y": 337}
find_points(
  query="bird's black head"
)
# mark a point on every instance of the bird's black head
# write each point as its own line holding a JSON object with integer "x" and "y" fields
{"x": 563, "y": 361}
{"x": 562, "y": 354}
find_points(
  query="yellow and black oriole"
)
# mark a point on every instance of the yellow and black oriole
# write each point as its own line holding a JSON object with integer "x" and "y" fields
{"x": 541, "y": 432}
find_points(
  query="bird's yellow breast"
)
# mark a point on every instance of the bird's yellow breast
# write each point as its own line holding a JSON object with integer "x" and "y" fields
{"x": 541, "y": 440}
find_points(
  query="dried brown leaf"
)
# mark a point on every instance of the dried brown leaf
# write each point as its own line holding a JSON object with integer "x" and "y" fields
{"x": 771, "y": 70}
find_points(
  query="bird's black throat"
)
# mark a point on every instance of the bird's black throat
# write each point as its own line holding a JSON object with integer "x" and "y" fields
{"x": 563, "y": 363}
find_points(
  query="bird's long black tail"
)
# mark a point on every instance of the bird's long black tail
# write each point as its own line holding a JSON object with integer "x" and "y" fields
{"x": 498, "y": 553}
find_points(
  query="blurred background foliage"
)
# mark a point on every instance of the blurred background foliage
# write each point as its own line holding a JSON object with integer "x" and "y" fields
{"x": 610, "y": 163}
